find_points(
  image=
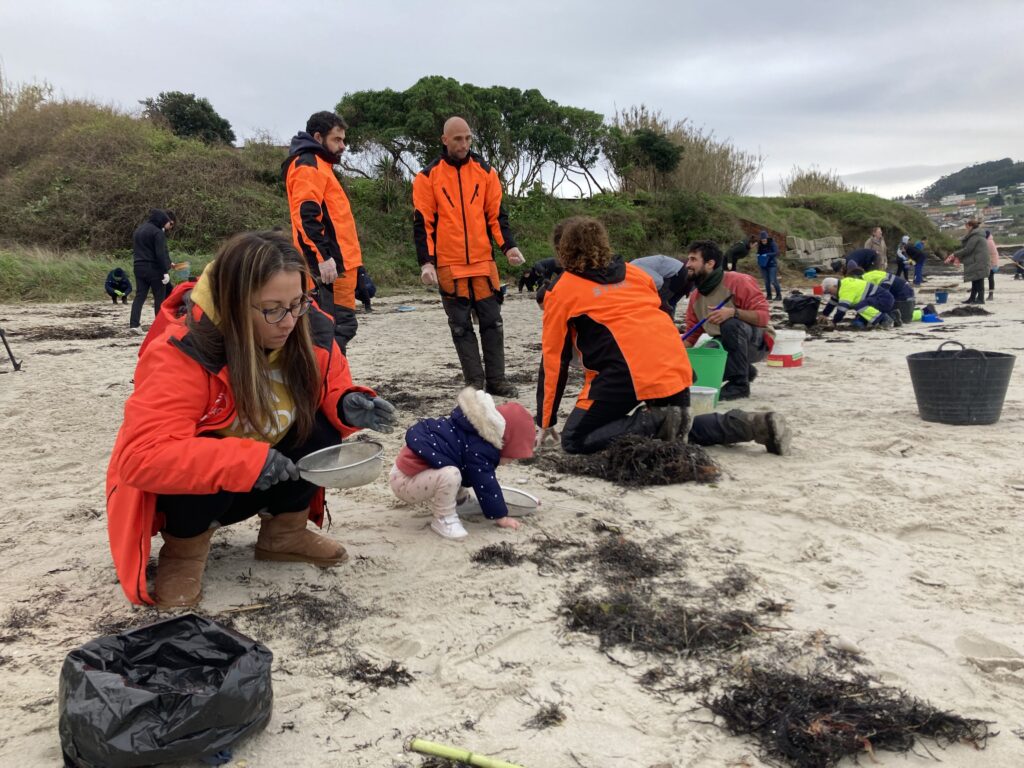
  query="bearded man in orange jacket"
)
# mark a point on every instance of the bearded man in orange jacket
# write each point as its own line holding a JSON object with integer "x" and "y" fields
{"x": 323, "y": 227}
{"x": 457, "y": 216}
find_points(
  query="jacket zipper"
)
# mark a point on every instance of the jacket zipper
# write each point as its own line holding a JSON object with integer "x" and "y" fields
{"x": 476, "y": 188}
{"x": 445, "y": 191}
{"x": 462, "y": 202}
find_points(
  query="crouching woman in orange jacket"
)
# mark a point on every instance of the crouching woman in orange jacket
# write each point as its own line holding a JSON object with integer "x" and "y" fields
{"x": 236, "y": 380}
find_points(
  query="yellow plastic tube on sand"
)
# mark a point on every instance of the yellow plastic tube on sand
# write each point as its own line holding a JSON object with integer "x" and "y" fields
{"x": 455, "y": 753}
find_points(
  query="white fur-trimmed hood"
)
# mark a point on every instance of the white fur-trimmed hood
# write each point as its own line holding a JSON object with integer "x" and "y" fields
{"x": 479, "y": 408}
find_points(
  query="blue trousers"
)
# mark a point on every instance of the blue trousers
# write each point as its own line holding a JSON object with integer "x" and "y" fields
{"x": 771, "y": 279}
{"x": 919, "y": 272}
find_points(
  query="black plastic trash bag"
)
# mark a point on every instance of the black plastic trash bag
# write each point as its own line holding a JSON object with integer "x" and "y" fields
{"x": 183, "y": 688}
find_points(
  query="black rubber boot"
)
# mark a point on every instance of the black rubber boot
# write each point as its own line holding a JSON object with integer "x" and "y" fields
{"x": 469, "y": 358}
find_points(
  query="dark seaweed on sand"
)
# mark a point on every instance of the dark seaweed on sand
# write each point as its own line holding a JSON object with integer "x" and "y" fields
{"x": 815, "y": 721}
{"x": 965, "y": 311}
{"x": 622, "y": 557}
{"x": 635, "y": 461}
{"x": 503, "y": 554}
{"x": 304, "y": 615}
{"x": 374, "y": 676}
{"x": 639, "y": 620}
{"x": 548, "y": 716}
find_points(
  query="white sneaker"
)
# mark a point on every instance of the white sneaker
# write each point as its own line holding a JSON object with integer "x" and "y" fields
{"x": 449, "y": 527}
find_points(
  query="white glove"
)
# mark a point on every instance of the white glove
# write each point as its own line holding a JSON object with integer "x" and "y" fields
{"x": 428, "y": 274}
{"x": 165, "y": 279}
{"x": 328, "y": 271}
{"x": 515, "y": 257}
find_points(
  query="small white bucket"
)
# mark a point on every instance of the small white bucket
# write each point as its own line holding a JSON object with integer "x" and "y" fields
{"x": 788, "y": 343}
{"x": 702, "y": 400}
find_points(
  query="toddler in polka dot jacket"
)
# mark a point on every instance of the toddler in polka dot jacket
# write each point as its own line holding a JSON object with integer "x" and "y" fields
{"x": 443, "y": 457}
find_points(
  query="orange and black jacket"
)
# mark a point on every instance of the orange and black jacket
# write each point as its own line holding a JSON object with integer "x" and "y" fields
{"x": 630, "y": 349}
{"x": 458, "y": 212}
{"x": 179, "y": 396}
{"x": 322, "y": 223}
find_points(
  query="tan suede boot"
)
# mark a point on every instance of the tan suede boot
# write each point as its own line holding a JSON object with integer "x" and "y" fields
{"x": 284, "y": 537}
{"x": 179, "y": 570}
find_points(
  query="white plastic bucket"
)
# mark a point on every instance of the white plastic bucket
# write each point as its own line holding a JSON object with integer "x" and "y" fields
{"x": 702, "y": 400}
{"x": 788, "y": 343}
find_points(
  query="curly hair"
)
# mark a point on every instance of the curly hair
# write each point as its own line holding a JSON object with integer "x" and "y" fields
{"x": 584, "y": 245}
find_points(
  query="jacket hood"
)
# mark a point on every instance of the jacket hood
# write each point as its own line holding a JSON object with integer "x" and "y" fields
{"x": 479, "y": 409}
{"x": 302, "y": 143}
{"x": 614, "y": 272}
{"x": 118, "y": 272}
{"x": 158, "y": 217}
{"x": 972, "y": 233}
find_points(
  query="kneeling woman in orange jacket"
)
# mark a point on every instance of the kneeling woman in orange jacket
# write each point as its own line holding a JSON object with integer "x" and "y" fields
{"x": 236, "y": 380}
{"x": 631, "y": 353}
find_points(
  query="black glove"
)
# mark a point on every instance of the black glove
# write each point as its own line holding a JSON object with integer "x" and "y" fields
{"x": 358, "y": 410}
{"x": 277, "y": 469}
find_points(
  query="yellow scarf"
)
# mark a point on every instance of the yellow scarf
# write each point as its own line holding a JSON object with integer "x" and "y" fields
{"x": 284, "y": 406}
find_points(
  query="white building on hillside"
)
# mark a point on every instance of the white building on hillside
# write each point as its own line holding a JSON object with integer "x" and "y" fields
{"x": 952, "y": 199}
{"x": 988, "y": 190}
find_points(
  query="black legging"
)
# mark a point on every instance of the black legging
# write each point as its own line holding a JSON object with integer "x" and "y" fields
{"x": 991, "y": 280}
{"x": 977, "y": 291}
{"x": 188, "y": 515}
{"x": 147, "y": 277}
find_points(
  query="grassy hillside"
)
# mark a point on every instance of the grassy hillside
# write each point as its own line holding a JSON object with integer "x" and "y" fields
{"x": 77, "y": 178}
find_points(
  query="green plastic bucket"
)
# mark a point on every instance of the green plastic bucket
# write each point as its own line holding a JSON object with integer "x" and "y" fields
{"x": 708, "y": 363}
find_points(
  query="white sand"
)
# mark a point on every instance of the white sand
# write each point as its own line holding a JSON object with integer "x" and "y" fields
{"x": 900, "y": 536}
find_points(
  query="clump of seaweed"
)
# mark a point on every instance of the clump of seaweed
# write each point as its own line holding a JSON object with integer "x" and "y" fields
{"x": 548, "y": 716}
{"x": 815, "y": 720}
{"x": 734, "y": 583}
{"x": 635, "y": 461}
{"x": 643, "y": 622}
{"x": 965, "y": 311}
{"x": 275, "y": 615}
{"x": 547, "y": 551}
{"x": 374, "y": 676}
{"x": 503, "y": 554}
{"x": 623, "y": 557}
{"x": 63, "y": 333}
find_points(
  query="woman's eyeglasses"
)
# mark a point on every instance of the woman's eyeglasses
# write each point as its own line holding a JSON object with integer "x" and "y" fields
{"x": 277, "y": 314}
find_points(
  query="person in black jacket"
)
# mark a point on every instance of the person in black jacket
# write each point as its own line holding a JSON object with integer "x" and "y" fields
{"x": 118, "y": 285}
{"x": 151, "y": 262}
{"x": 737, "y": 251}
{"x": 539, "y": 274}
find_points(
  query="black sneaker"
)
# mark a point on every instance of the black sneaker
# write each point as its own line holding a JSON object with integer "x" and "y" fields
{"x": 503, "y": 388}
{"x": 733, "y": 391}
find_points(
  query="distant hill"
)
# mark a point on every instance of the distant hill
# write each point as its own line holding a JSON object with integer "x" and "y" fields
{"x": 1001, "y": 173}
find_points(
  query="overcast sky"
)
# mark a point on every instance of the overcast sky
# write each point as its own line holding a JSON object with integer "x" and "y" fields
{"x": 889, "y": 94}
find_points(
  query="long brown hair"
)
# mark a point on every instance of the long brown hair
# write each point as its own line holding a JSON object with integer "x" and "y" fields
{"x": 584, "y": 245}
{"x": 242, "y": 266}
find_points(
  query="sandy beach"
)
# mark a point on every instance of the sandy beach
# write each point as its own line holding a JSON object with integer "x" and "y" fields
{"x": 882, "y": 533}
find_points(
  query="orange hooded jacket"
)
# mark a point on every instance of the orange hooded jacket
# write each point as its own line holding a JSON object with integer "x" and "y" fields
{"x": 629, "y": 346}
{"x": 457, "y": 212}
{"x": 323, "y": 226}
{"x": 178, "y": 397}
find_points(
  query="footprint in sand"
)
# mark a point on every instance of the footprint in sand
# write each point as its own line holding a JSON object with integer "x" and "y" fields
{"x": 1000, "y": 661}
{"x": 927, "y": 534}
